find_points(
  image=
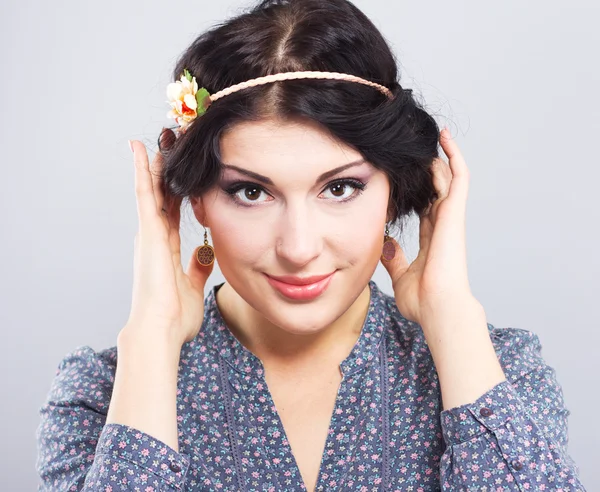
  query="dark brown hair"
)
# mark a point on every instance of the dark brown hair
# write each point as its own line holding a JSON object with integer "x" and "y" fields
{"x": 396, "y": 136}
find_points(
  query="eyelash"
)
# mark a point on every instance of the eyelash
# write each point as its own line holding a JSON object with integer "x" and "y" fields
{"x": 232, "y": 190}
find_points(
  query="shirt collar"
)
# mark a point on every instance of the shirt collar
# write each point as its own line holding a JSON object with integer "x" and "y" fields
{"x": 218, "y": 336}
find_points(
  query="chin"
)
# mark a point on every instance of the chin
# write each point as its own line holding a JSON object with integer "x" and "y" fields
{"x": 304, "y": 321}
{"x": 305, "y": 316}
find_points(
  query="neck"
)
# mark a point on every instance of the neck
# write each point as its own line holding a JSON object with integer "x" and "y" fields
{"x": 275, "y": 346}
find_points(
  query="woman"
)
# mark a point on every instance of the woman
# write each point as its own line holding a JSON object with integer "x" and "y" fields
{"x": 298, "y": 373}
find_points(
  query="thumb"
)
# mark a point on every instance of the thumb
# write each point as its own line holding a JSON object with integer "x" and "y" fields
{"x": 395, "y": 261}
{"x": 198, "y": 273}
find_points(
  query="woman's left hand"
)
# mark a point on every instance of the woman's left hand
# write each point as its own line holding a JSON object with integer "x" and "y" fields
{"x": 436, "y": 282}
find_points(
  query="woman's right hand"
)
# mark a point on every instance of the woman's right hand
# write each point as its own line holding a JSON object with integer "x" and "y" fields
{"x": 164, "y": 297}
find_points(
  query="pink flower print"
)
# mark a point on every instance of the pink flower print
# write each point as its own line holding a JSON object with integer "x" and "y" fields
{"x": 122, "y": 444}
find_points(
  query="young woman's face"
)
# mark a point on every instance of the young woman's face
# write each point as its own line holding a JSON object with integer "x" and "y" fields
{"x": 291, "y": 201}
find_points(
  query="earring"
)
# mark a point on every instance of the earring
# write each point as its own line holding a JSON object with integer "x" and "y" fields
{"x": 205, "y": 254}
{"x": 389, "y": 249}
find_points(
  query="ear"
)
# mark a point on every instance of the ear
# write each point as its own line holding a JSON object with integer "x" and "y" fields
{"x": 199, "y": 211}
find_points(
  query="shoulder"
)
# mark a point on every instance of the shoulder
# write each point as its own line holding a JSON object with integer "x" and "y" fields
{"x": 408, "y": 334}
{"x": 518, "y": 350}
{"x": 85, "y": 374}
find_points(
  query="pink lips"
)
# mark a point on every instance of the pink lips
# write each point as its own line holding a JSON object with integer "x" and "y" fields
{"x": 305, "y": 288}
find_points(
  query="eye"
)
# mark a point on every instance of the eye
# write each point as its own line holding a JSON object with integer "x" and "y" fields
{"x": 339, "y": 189}
{"x": 245, "y": 193}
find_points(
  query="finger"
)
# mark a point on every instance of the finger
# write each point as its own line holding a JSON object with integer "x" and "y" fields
{"x": 425, "y": 234}
{"x": 146, "y": 201}
{"x": 165, "y": 141}
{"x": 174, "y": 215}
{"x": 459, "y": 185}
{"x": 442, "y": 177}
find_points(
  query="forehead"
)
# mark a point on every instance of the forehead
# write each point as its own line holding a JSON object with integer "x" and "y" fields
{"x": 273, "y": 140}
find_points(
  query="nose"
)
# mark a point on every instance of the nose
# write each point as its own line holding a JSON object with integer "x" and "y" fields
{"x": 299, "y": 240}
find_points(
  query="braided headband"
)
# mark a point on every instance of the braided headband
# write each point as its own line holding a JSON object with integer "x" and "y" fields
{"x": 187, "y": 102}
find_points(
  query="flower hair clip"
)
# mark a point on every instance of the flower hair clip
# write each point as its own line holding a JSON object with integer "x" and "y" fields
{"x": 186, "y": 101}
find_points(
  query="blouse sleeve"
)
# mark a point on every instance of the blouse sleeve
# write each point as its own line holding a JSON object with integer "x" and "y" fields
{"x": 77, "y": 451}
{"x": 513, "y": 437}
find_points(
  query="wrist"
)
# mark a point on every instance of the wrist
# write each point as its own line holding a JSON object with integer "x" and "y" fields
{"x": 134, "y": 336}
{"x": 451, "y": 312}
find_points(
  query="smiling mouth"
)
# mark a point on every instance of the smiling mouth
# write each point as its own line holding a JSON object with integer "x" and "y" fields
{"x": 301, "y": 288}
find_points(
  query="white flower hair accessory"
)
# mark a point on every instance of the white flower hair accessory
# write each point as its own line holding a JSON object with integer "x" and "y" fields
{"x": 186, "y": 101}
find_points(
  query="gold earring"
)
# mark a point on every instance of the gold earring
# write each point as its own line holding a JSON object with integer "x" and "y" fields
{"x": 389, "y": 248}
{"x": 205, "y": 254}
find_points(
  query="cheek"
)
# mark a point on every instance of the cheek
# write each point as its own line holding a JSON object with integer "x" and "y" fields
{"x": 237, "y": 240}
{"x": 361, "y": 235}
{"x": 236, "y": 237}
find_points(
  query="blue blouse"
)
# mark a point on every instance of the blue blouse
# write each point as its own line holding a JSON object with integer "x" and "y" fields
{"x": 387, "y": 432}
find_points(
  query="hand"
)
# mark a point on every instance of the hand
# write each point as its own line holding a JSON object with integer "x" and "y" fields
{"x": 437, "y": 279}
{"x": 165, "y": 299}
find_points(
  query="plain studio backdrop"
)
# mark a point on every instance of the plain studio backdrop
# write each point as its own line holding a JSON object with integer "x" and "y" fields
{"x": 517, "y": 83}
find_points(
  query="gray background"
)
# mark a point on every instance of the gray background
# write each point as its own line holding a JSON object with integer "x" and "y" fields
{"x": 516, "y": 81}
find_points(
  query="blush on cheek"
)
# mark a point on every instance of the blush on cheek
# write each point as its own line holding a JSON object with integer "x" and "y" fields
{"x": 239, "y": 244}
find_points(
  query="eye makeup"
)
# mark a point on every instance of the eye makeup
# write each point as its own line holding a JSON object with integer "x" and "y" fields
{"x": 232, "y": 189}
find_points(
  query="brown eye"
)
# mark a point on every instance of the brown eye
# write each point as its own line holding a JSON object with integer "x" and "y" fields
{"x": 344, "y": 190}
{"x": 252, "y": 193}
{"x": 338, "y": 189}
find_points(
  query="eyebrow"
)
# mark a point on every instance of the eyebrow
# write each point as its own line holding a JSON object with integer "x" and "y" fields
{"x": 269, "y": 181}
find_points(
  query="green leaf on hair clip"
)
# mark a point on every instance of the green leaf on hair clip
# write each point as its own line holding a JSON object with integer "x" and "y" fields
{"x": 203, "y": 100}
{"x": 187, "y": 74}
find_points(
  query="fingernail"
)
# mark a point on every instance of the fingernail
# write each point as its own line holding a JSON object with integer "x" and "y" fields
{"x": 130, "y": 146}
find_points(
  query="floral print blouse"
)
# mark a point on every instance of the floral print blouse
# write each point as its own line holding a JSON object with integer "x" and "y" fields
{"x": 387, "y": 432}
